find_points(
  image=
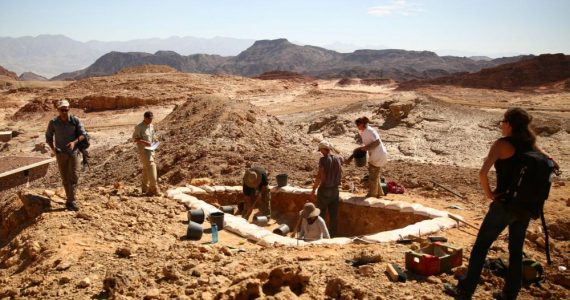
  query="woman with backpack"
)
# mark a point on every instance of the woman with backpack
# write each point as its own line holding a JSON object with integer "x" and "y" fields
{"x": 517, "y": 138}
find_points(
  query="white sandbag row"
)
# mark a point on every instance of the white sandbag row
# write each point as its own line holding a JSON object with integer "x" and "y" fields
{"x": 290, "y": 190}
{"x": 401, "y": 206}
{"x": 235, "y": 224}
{"x": 241, "y": 227}
{"x": 417, "y": 229}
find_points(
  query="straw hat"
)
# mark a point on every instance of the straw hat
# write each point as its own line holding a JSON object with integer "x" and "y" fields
{"x": 309, "y": 211}
{"x": 251, "y": 179}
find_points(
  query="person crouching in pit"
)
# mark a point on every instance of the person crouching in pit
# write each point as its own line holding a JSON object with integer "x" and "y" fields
{"x": 313, "y": 227}
{"x": 255, "y": 185}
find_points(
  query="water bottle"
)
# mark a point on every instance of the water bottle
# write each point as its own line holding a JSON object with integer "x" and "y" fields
{"x": 214, "y": 233}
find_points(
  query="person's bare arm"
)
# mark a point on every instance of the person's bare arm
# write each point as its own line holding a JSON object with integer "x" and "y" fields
{"x": 487, "y": 164}
{"x": 317, "y": 181}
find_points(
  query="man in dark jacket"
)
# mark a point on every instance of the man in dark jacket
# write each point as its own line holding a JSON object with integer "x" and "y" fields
{"x": 67, "y": 135}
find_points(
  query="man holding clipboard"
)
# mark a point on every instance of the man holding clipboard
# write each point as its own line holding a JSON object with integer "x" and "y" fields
{"x": 144, "y": 137}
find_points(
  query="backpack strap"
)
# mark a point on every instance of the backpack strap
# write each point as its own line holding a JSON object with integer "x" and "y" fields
{"x": 75, "y": 121}
{"x": 546, "y": 243}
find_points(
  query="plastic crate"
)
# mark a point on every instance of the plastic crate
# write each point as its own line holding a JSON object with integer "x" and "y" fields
{"x": 434, "y": 259}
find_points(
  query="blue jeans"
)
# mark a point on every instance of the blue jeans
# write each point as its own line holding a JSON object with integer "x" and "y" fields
{"x": 495, "y": 221}
{"x": 327, "y": 198}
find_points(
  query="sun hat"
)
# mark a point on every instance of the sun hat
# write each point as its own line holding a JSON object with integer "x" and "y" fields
{"x": 62, "y": 103}
{"x": 251, "y": 179}
{"x": 309, "y": 211}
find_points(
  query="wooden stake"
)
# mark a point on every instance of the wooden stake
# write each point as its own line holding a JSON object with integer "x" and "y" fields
{"x": 448, "y": 189}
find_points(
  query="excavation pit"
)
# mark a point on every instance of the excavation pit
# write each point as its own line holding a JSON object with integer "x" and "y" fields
{"x": 17, "y": 170}
{"x": 359, "y": 218}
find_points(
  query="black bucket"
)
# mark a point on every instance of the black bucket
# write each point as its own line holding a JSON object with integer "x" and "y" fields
{"x": 218, "y": 219}
{"x": 359, "y": 157}
{"x": 283, "y": 229}
{"x": 228, "y": 209}
{"x": 194, "y": 231}
{"x": 196, "y": 215}
{"x": 281, "y": 180}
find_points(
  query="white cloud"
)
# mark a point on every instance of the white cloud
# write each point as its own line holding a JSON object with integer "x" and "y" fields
{"x": 402, "y": 7}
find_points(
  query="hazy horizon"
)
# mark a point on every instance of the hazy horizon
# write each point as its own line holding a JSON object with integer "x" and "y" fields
{"x": 337, "y": 46}
{"x": 482, "y": 28}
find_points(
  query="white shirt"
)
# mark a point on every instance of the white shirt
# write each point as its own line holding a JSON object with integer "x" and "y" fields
{"x": 315, "y": 231}
{"x": 377, "y": 156}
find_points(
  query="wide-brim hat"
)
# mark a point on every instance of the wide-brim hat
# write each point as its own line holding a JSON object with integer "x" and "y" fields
{"x": 310, "y": 210}
{"x": 251, "y": 179}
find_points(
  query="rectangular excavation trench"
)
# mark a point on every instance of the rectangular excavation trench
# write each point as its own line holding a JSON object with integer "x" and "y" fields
{"x": 17, "y": 170}
{"x": 375, "y": 220}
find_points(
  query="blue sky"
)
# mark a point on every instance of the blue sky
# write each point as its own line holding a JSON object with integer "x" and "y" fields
{"x": 489, "y": 27}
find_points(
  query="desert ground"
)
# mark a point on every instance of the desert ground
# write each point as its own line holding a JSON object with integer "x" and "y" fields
{"x": 122, "y": 245}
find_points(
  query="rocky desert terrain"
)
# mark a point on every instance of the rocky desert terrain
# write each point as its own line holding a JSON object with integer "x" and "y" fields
{"x": 122, "y": 245}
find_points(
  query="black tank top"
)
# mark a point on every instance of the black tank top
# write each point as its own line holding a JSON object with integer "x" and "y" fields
{"x": 505, "y": 167}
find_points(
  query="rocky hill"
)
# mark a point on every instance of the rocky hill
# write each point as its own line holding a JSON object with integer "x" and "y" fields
{"x": 7, "y": 73}
{"x": 532, "y": 72}
{"x": 31, "y": 76}
{"x": 281, "y": 55}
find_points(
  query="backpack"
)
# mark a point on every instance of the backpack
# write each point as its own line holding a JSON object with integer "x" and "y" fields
{"x": 85, "y": 143}
{"x": 530, "y": 187}
{"x": 531, "y": 182}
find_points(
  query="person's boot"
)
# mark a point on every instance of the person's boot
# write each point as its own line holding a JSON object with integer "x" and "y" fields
{"x": 154, "y": 193}
{"x": 500, "y": 295}
{"x": 456, "y": 292}
{"x": 72, "y": 205}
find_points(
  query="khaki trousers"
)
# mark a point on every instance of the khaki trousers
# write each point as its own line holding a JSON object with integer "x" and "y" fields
{"x": 149, "y": 176}
{"x": 68, "y": 164}
{"x": 374, "y": 187}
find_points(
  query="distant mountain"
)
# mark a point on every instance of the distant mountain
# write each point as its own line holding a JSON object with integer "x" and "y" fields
{"x": 527, "y": 72}
{"x": 480, "y": 58}
{"x": 282, "y": 55}
{"x": 7, "y": 73}
{"x": 50, "y": 55}
{"x": 29, "y": 76}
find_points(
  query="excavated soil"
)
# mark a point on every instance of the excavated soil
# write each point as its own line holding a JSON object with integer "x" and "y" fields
{"x": 122, "y": 245}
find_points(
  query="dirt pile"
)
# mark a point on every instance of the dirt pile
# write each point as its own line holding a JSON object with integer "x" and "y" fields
{"x": 215, "y": 137}
{"x": 532, "y": 72}
{"x": 148, "y": 69}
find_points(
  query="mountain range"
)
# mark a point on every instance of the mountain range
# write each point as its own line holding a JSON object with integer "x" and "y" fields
{"x": 50, "y": 55}
{"x": 282, "y": 55}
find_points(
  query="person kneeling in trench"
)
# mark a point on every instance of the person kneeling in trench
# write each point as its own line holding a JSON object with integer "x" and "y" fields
{"x": 256, "y": 184}
{"x": 313, "y": 227}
